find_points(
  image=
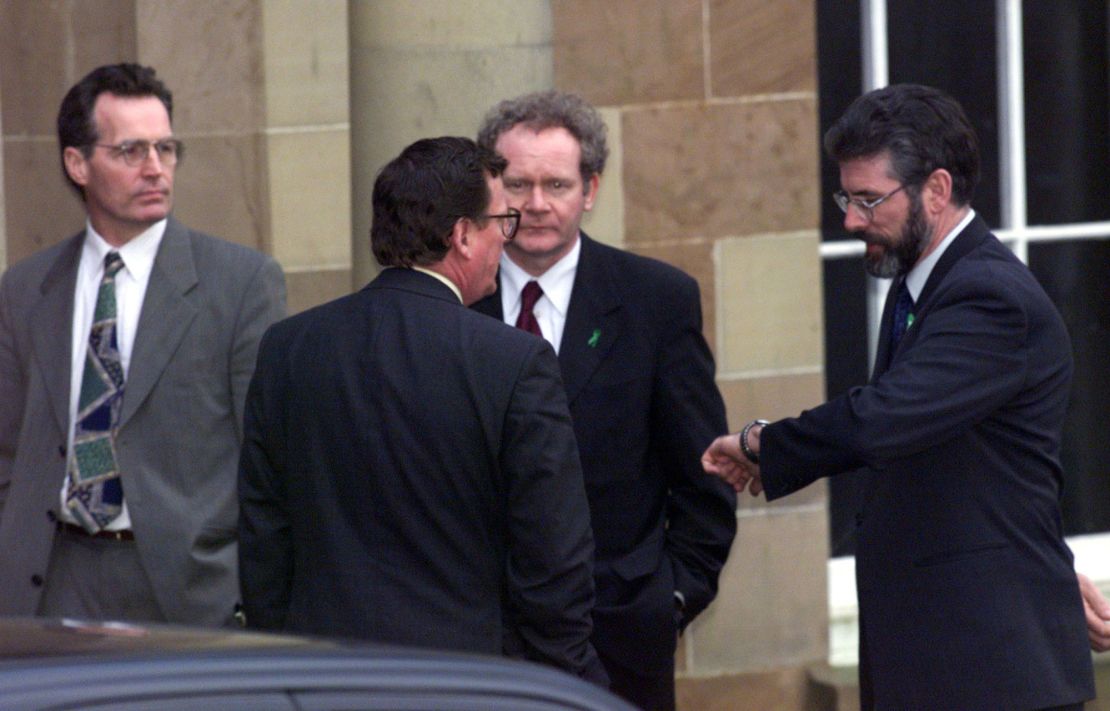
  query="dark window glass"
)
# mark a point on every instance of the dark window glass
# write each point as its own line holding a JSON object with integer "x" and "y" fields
{"x": 1075, "y": 275}
{"x": 1067, "y": 111}
{"x": 838, "y": 73}
{"x": 845, "y": 284}
{"x": 951, "y": 44}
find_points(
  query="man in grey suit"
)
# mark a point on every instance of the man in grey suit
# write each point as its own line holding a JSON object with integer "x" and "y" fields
{"x": 125, "y": 354}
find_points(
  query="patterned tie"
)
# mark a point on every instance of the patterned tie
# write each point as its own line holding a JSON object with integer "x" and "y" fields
{"x": 903, "y": 315}
{"x": 529, "y": 295}
{"x": 94, "y": 494}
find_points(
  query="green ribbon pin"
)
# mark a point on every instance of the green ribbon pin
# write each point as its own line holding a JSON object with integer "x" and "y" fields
{"x": 594, "y": 338}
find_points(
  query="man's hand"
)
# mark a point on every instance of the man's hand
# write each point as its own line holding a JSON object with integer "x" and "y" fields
{"x": 1097, "y": 608}
{"x": 724, "y": 458}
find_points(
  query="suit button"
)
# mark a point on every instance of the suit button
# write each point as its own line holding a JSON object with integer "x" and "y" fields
{"x": 36, "y": 580}
{"x": 51, "y": 517}
{"x": 859, "y": 519}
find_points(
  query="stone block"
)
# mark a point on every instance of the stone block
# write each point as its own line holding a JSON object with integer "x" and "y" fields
{"x": 772, "y": 608}
{"x": 759, "y": 47}
{"x": 305, "y": 59}
{"x": 310, "y": 199}
{"x": 769, "y": 295}
{"x": 718, "y": 170}
{"x": 629, "y": 51}
{"x": 220, "y": 188}
{"x": 210, "y": 56}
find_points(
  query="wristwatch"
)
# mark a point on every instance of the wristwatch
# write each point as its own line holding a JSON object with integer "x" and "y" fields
{"x": 752, "y": 456}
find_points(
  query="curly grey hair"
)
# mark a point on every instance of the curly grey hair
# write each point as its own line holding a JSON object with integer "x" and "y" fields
{"x": 551, "y": 109}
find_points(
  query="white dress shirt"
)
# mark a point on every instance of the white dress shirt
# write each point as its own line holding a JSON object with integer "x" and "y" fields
{"x": 131, "y": 282}
{"x": 551, "y": 308}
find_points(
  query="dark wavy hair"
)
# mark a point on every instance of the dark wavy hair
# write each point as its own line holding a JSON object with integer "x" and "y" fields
{"x": 76, "y": 121}
{"x": 922, "y": 128}
{"x": 420, "y": 194}
{"x": 552, "y": 109}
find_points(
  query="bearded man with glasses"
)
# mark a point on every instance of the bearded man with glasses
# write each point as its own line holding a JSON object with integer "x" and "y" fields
{"x": 967, "y": 595}
{"x": 125, "y": 355}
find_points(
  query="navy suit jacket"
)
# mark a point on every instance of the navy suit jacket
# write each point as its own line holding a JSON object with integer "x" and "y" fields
{"x": 409, "y": 474}
{"x": 639, "y": 380}
{"x": 967, "y": 594}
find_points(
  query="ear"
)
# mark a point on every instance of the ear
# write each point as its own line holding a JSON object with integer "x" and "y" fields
{"x": 937, "y": 190}
{"x": 591, "y": 190}
{"x": 77, "y": 165}
{"x": 462, "y": 237}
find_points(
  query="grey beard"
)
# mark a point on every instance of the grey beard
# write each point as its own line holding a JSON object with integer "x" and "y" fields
{"x": 900, "y": 258}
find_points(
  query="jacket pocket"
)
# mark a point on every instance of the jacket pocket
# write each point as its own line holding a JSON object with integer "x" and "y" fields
{"x": 951, "y": 556}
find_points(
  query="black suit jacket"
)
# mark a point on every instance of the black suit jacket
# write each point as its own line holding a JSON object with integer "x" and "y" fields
{"x": 410, "y": 475}
{"x": 967, "y": 594}
{"x": 639, "y": 379}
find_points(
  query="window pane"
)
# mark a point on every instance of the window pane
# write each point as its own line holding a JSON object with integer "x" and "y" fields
{"x": 1075, "y": 275}
{"x": 845, "y": 284}
{"x": 951, "y": 44}
{"x": 839, "y": 77}
{"x": 1067, "y": 111}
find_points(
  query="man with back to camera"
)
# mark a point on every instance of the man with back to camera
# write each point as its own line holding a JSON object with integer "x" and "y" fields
{"x": 967, "y": 595}
{"x": 125, "y": 354}
{"x": 639, "y": 380}
{"x": 409, "y": 473}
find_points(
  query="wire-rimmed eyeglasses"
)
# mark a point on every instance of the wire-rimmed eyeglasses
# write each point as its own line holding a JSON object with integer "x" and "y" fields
{"x": 865, "y": 208}
{"x": 170, "y": 151}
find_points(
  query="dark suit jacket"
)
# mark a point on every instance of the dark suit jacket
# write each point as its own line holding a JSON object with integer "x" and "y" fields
{"x": 207, "y": 303}
{"x": 967, "y": 594}
{"x": 410, "y": 475}
{"x": 639, "y": 379}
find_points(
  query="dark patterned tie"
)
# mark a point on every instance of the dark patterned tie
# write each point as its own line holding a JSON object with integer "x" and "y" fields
{"x": 903, "y": 315}
{"x": 94, "y": 494}
{"x": 529, "y": 295}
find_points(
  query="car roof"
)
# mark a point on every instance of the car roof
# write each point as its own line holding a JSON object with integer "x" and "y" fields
{"x": 70, "y": 664}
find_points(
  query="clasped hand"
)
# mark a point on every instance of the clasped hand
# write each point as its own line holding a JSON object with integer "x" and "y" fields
{"x": 724, "y": 458}
{"x": 1097, "y": 609}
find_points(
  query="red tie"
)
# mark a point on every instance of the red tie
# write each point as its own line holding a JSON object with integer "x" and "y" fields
{"x": 526, "y": 321}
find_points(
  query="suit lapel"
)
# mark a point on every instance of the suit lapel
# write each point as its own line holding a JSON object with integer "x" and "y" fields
{"x": 593, "y": 322}
{"x": 971, "y": 237}
{"x": 53, "y": 339}
{"x": 166, "y": 316}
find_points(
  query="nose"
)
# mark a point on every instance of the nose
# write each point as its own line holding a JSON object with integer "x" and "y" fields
{"x": 854, "y": 221}
{"x": 152, "y": 164}
{"x": 535, "y": 201}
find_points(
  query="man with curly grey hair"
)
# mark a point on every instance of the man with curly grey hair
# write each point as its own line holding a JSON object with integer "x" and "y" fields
{"x": 639, "y": 380}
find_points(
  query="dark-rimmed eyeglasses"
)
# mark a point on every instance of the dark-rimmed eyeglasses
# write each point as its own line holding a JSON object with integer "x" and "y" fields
{"x": 134, "y": 153}
{"x": 864, "y": 208}
{"x": 510, "y": 222}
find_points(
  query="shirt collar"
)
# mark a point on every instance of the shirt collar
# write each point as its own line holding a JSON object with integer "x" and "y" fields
{"x": 557, "y": 282}
{"x": 445, "y": 280}
{"x": 916, "y": 278}
{"x": 137, "y": 254}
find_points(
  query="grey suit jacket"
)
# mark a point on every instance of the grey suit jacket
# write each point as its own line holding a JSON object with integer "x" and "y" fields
{"x": 206, "y": 307}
